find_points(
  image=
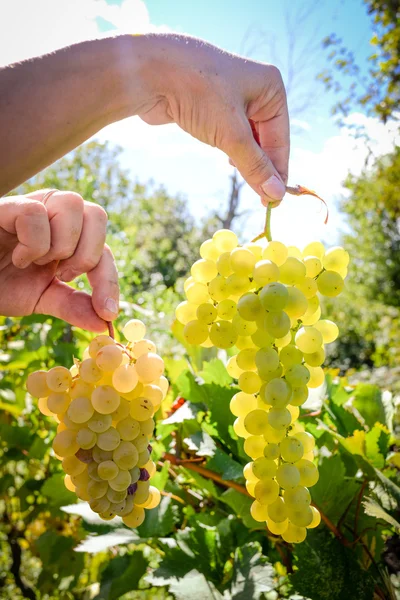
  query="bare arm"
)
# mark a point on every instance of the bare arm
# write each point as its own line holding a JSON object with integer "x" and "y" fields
{"x": 51, "y": 104}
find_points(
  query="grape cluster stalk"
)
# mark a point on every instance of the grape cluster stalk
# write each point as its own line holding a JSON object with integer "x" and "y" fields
{"x": 262, "y": 301}
{"x": 104, "y": 406}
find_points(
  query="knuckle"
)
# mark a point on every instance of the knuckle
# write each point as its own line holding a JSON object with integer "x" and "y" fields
{"x": 97, "y": 212}
{"x": 74, "y": 201}
{"x": 275, "y": 75}
{"x": 34, "y": 208}
{"x": 87, "y": 264}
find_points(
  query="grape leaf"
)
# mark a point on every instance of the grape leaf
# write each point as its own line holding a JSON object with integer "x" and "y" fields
{"x": 220, "y": 415}
{"x": 374, "y": 509}
{"x": 214, "y": 371}
{"x": 253, "y": 575}
{"x": 121, "y": 575}
{"x": 201, "y": 443}
{"x": 56, "y": 492}
{"x": 186, "y": 412}
{"x": 225, "y": 466}
{"x": 194, "y": 586}
{"x": 240, "y": 504}
{"x": 368, "y": 401}
{"x": 160, "y": 521}
{"x": 333, "y": 491}
{"x": 191, "y": 389}
{"x": 99, "y": 543}
{"x": 376, "y": 445}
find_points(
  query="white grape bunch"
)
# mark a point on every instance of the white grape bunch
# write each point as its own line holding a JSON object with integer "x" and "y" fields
{"x": 104, "y": 406}
{"x": 263, "y": 302}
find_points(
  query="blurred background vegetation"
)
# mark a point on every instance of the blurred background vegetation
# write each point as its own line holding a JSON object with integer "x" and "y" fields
{"x": 202, "y": 542}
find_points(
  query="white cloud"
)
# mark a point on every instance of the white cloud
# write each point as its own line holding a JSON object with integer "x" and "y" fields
{"x": 300, "y": 124}
{"x": 33, "y": 27}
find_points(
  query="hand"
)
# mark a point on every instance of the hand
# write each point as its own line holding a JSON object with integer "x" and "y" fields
{"x": 212, "y": 94}
{"x": 46, "y": 239}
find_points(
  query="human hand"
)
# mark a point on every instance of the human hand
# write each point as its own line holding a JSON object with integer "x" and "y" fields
{"x": 212, "y": 94}
{"x": 46, "y": 239}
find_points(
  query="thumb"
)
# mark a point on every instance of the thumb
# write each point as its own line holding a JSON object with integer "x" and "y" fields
{"x": 254, "y": 164}
{"x": 72, "y": 306}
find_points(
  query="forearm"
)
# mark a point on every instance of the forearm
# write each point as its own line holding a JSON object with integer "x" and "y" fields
{"x": 51, "y": 104}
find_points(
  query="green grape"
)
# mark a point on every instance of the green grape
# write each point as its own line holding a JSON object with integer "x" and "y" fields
{"x": 294, "y": 534}
{"x": 58, "y": 402}
{"x": 298, "y": 495}
{"x": 72, "y": 465}
{"x": 105, "y": 399}
{"x": 126, "y": 455}
{"x": 86, "y": 438}
{"x": 258, "y": 511}
{"x": 141, "y": 409}
{"x": 225, "y": 240}
{"x": 99, "y": 423}
{"x": 203, "y": 271}
{"x": 265, "y": 272}
{"x": 277, "y": 528}
{"x": 328, "y": 330}
{"x": 245, "y": 359}
{"x": 134, "y": 330}
{"x": 232, "y": 368}
{"x": 125, "y": 379}
{"x": 244, "y": 341}
{"x": 254, "y": 248}
{"x": 313, "y": 266}
{"x": 288, "y": 476}
{"x": 197, "y": 293}
{"x": 300, "y": 515}
{"x": 307, "y": 440}
{"x": 243, "y": 327}
{"x": 226, "y": 309}
{"x": 185, "y": 312}
{"x": 277, "y": 393}
{"x": 297, "y": 375}
{"x": 277, "y": 511}
{"x": 272, "y": 451}
{"x": 242, "y": 261}
{"x": 274, "y": 296}
{"x": 292, "y": 271}
{"x": 147, "y": 427}
{"x": 248, "y": 472}
{"x": 256, "y": 421}
{"x": 107, "y": 470}
{"x": 249, "y": 382}
{"x": 249, "y": 307}
{"x": 266, "y": 491}
{"x": 295, "y": 252}
{"x": 114, "y": 496}
{"x": 279, "y": 418}
{"x": 97, "y": 489}
{"x": 242, "y": 403}
{"x": 223, "y": 334}
{"x": 108, "y": 440}
{"x": 142, "y": 347}
{"x": 135, "y": 518}
{"x": 98, "y": 342}
{"x": 297, "y": 303}
{"x": 276, "y": 252}
{"x": 267, "y": 360}
{"x": 316, "y": 358}
{"x": 36, "y": 384}
{"x": 299, "y": 395}
{"x": 207, "y": 313}
{"x": 141, "y": 442}
{"x": 195, "y": 332}
{"x": 283, "y": 341}
{"x": 121, "y": 481}
{"x": 264, "y": 468}
{"x": 142, "y": 492}
{"x": 218, "y": 289}
{"x": 149, "y": 367}
{"x": 58, "y": 379}
{"x": 82, "y": 479}
{"x": 311, "y": 319}
{"x": 80, "y": 410}
{"x": 108, "y": 358}
{"x": 100, "y": 455}
{"x": 100, "y": 505}
{"x": 317, "y": 376}
{"x": 291, "y": 449}
{"x": 237, "y": 284}
{"x": 316, "y": 518}
{"x": 274, "y": 436}
{"x": 209, "y": 250}
{"x": 308, "y": 286}
{"x": 308, "y": 472}
{"x": 224, "y": 264}
{"x": 330, "y": 284}
{"x": 261, "y": 338}
{"x": 65, "y": 444}
{"x": 308, "y": 339}
{"x": 336, "y": 259}
{"x": 153, "y": 393}
{"x": 254, "y": 446}
{"x": 277, "y": 323}
{"x": 314, "y": 249}
{"x": 294, "y": 413}
{"x": 290, "y": 355}
{"x": 122, "y": 411}
{"x": 93, "y": 472}
{"x": 239, "y": 429}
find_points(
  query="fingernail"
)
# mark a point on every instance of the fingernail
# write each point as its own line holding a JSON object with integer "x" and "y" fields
{"x": 273, "y": 188}
{"x": 111, "y": 306}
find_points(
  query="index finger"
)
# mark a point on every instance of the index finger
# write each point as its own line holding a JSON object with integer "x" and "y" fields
{"x": 104, "y": 281}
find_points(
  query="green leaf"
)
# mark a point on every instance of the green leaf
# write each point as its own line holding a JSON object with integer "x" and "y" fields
{"x": 333, "y": 491}
{"x": 253, "y": 575}
{"x": 345, "y": 421}
{"x": 15, "y": 436}
{"x": 215, "y": 371}
{"x": 376, "y": 445}
{"x": 56, "y": 492}
{"x": 240, "y": 504}
{"x": 186, "y": 412}
{"x": 160, "y": 478}
{"x": 206, "y": 485}
{"x": 194, "y": 586}
{"x": 191, "y": 389}
{"x": 98, "y": 543}
{"x": 220, "y": 415}
{"x": 160, "y": 521}
{"x": 201, "y": 443}
{"x": 374, "y": 509}
{"x": 122, "y": 575}
{"x": 368, "y": 401}
{"x": 225, "y": 466}
{"x": 326, "y": 570}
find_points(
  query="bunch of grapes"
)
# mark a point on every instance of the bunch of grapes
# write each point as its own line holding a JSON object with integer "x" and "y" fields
{"x": 104, "y": 406}
{"x": 263, "y": 302}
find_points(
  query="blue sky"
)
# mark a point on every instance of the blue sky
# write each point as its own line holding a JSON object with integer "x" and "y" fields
{"x": 321, "y": 153}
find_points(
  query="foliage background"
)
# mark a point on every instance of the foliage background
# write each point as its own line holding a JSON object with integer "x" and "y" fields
{"x": 201, "y": 542}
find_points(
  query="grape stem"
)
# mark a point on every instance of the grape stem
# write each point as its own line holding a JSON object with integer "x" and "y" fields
{"x": 267, "y": 229}
{"x": 110, "y": 329}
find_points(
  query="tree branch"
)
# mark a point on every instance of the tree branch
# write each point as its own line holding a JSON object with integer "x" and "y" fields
{"x": 16, "y": 556}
